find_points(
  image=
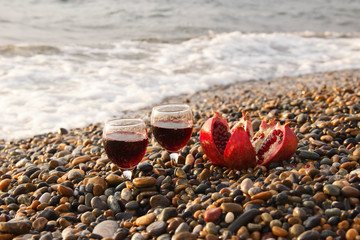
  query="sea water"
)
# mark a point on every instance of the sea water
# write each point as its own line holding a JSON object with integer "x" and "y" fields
{"x": 71, "y": 63}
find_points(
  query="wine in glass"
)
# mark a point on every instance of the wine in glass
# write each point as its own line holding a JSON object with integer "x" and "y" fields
{"x": 172, "y": 126}
{"x": 125, "y": 143}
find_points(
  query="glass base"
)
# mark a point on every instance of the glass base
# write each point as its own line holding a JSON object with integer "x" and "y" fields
{"x": 128, "y": 174}
{"x": 174, "y": 156}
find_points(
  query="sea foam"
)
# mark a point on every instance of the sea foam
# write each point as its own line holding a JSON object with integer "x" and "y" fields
{"x": 46, "y": 87}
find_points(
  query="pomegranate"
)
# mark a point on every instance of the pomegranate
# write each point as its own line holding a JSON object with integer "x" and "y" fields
{"x": 227, "y": 148}
{"x": 240, "y": 148}
{"x": 274, "y": 143}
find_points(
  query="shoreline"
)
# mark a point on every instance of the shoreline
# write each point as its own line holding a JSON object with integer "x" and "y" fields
{"x": 248, "y": 85}
{"x": 61, "y": 185}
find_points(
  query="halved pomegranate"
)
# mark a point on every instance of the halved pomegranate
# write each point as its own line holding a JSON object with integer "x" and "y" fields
{"x": 274, "y": 143}
{"x": 234, "y": 149}
{"x": 225, "y": 148}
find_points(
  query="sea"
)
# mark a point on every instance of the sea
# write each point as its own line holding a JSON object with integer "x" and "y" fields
{"x": 69, "y": 63}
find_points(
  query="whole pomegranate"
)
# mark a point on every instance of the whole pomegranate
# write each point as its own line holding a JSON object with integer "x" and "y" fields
{"x": 240, "y": 148}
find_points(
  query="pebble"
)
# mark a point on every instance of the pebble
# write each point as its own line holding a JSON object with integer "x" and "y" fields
{"x": 39, "y": 224}
{"x": 246, "y": 184}
{"x": 68, "y": 234}
{"x": 106, "y": 229}
{"x": 167, "y": 213}
{"x": 229, "y": 217}
{"x": 87, "y": 218}
{"x": 144, "y": 182}
{"x": 309, "y": 235}
{"x": 65, "y": 191}
{"x": 349, "y": 191}
{"x": 231, "y": 207}
{"x": 331, "y": 190}
{"x": 212, "y": 215}
{"x": 184, "y": 236}
{"x": 243, "y": 219}
{"x": 15, "y": 227}
{"x": 146, "y": 219}
{"x": 296, "y": 230}
{"x": 156, "y": 228}
{"x": 45, "y": 198}
{"x": 312, "y": 222}
{"x": 159, "y": 201}
{"x": 278, "y": 231}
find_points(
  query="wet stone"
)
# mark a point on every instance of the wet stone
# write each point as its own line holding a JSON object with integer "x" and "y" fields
{"x": 183, "y": 227}
{"x": 159, "y": 201}
{"x": 243, "y": 219}
{"x": 87, "y": 218}
{"x": 114, "y": 205}
{"x": 312, "y": 222}
{"x": 184, "y": 236}
{"x": 96, "y": 202}
{"x": 49, "y": 214}
{"x": 296, "y": 230}
{"x": 212, "y": 215}
{"x": 68, "y": 234}
{"x": 332, "y": 212}
{"x": 281, "y": 198}
{"x": 331, "y": 190}
{"x": 210, "y": 228}
{"x": 65, "y": 191}
{"x": 308, "y": 155}
{"x": 39, "y": 224}
{"x": 231, "y": 207}
{"x": 146, "y": 219}
{"x": 106, "y": 229}
{"x": 309, "y": 235}
{"x": 145, "y": 167}
{"x": 229, "y": 217}
{"x": 132, "y": 205}
{"x": 349, "y": 191}
{"x": 15, "y": 227}
{"x": 167, "y": 213}
{"x": 45, "y": 198}
{"x": 327, "y": 233}
{"x": 144, "y": 182}
{"x": 156, "y": 228}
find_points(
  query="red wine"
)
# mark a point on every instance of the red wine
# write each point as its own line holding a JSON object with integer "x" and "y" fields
{"x": 125, "y": 149}
{"x": 172, "y": 135}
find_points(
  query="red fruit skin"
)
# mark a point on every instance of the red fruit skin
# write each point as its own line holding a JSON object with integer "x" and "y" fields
{"x": 287, "y": 148}
{"x": 207, "y": 140}
{"x": 239, "y": 152}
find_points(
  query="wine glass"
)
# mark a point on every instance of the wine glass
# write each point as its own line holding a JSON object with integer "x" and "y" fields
{"x": 125, "y": 143}
{"x": 172, "y": 126}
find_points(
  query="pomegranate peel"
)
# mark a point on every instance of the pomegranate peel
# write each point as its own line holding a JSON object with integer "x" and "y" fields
{"x": 280, "y": 145}
{"x": 213, "y": 138}
{"x": 239, "y": 152}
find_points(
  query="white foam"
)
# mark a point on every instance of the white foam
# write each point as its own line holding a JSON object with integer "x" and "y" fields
{"x": 78, "y": 85}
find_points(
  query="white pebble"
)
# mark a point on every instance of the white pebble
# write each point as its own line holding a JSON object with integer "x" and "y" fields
{"x": 45, "y": 198}
{"x": 126, "y": 194}
{"x": 246, "y": 184}
{"x": 229, "y": 217}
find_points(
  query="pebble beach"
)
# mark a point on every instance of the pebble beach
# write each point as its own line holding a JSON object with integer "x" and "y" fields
{"x": 61, "y": 185}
